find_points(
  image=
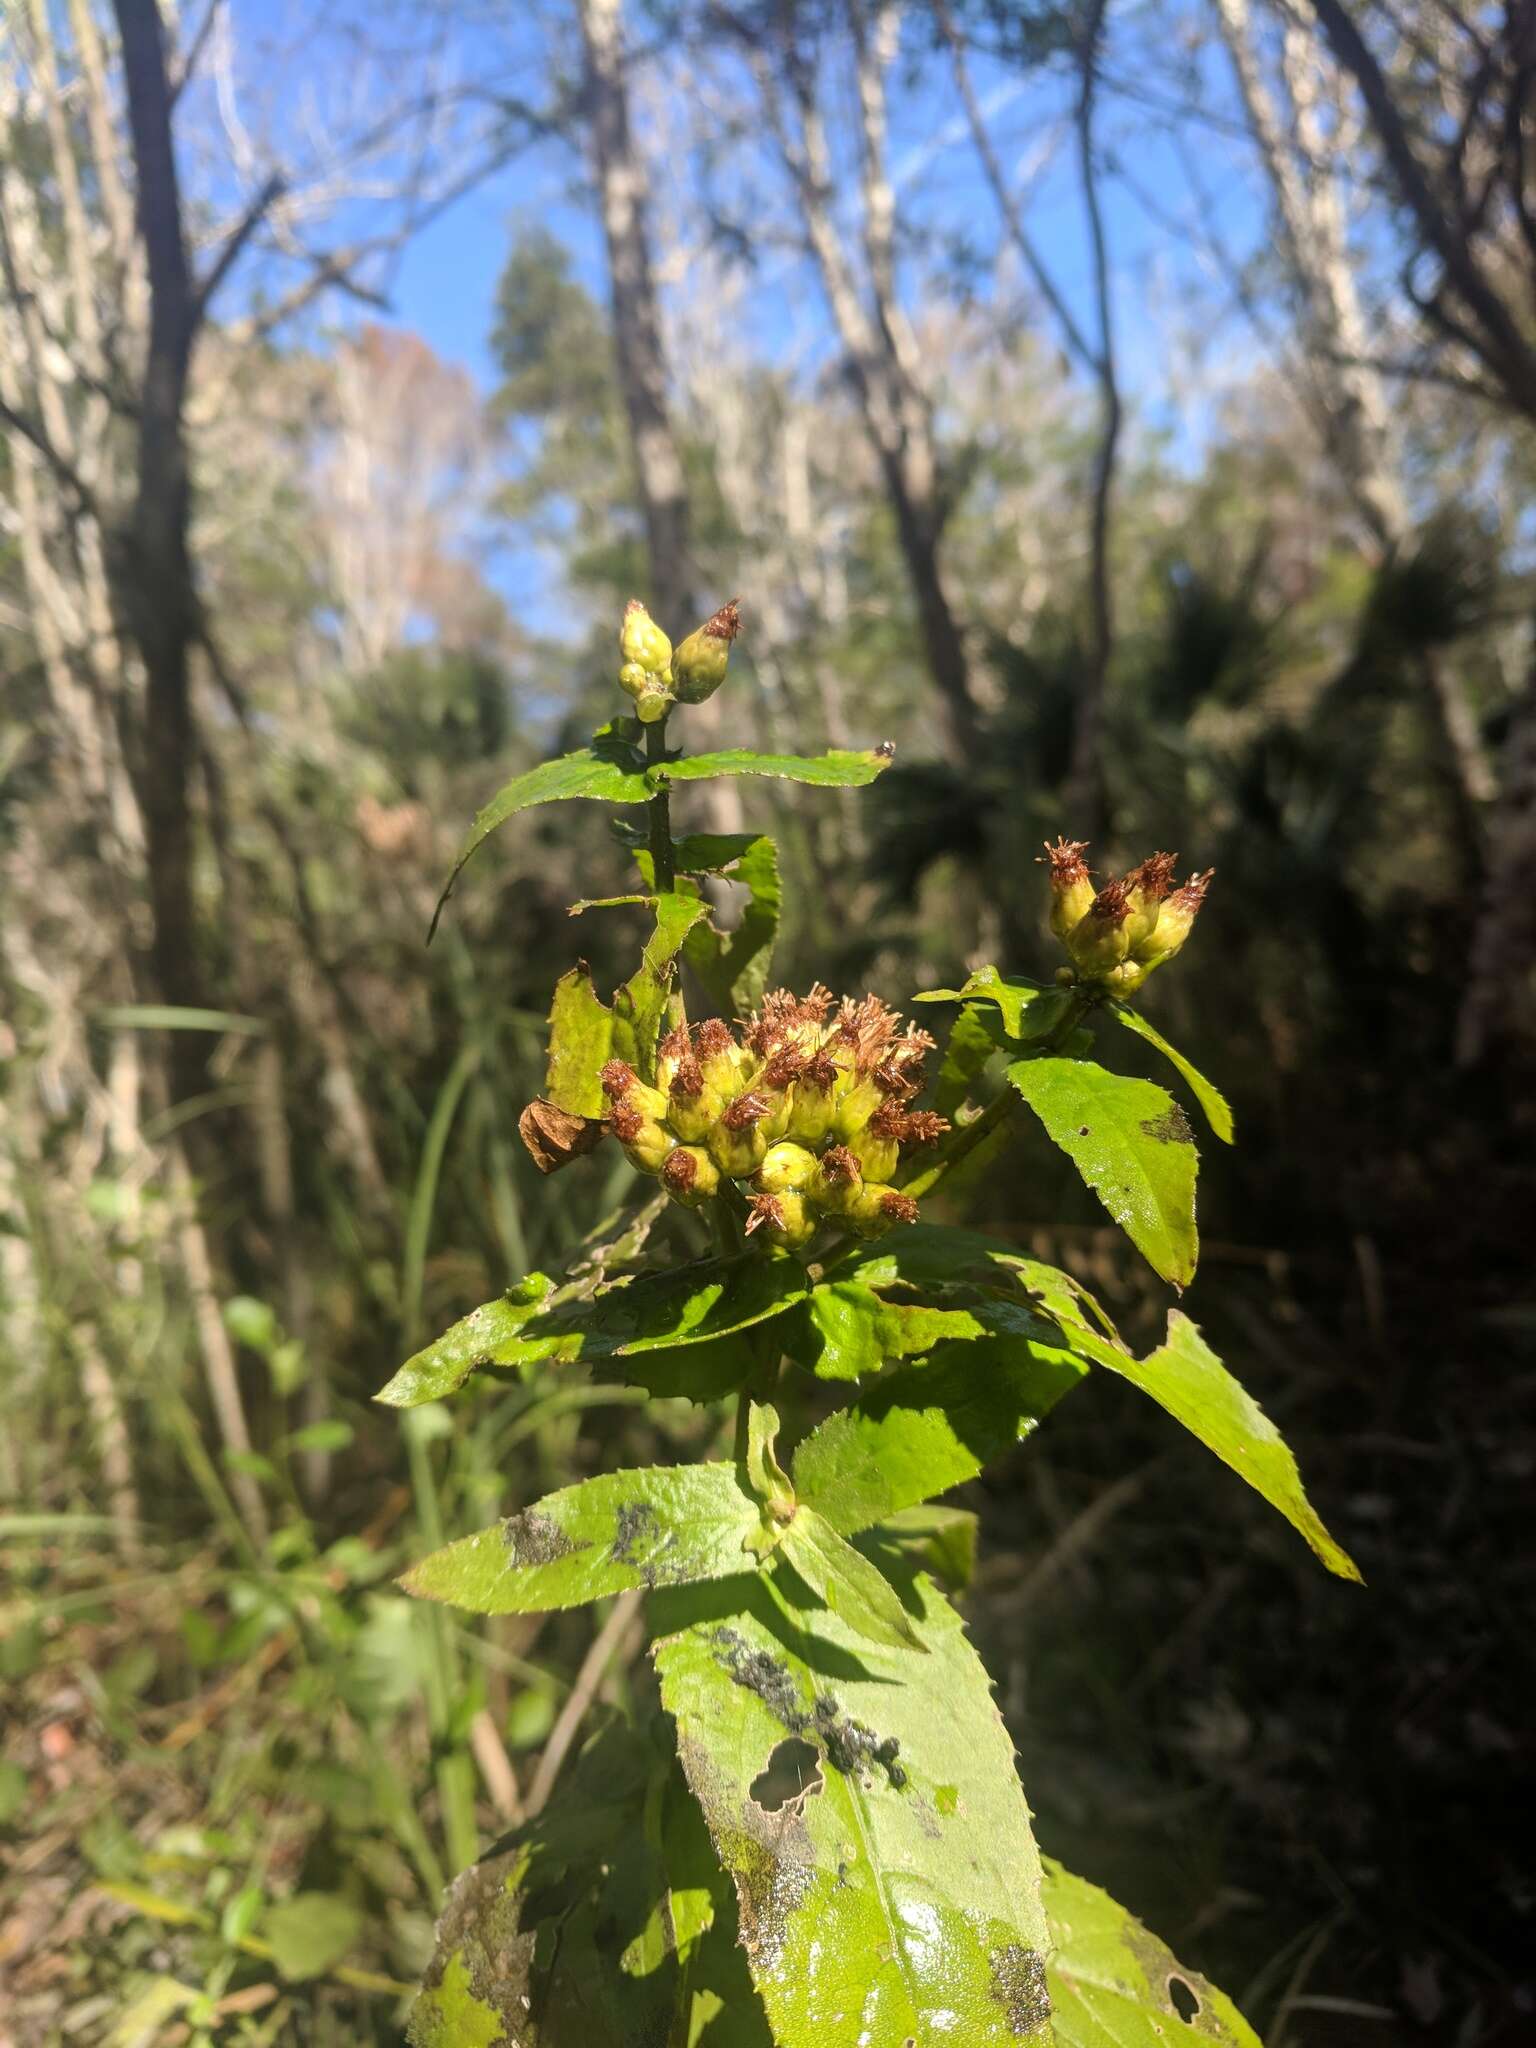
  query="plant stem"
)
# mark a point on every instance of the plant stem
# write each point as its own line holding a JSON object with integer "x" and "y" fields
{"x": 659, "y": 811}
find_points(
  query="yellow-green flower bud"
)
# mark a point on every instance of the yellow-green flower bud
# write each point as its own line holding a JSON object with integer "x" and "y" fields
{"x": 1145, "y": 888}
{"x": 1175, "y": 921}
{"x": 724, "y": 1064}
{"x": 837, "y": 1180}
{"x": 785, "y": 1218}
{"x": 1071, "y": 883}
{"x": 633, "y": 679}
{"x": 642, "y": 641}
{"x": 653, "y": 704}
{"x": 785, "y": 1166}
{"x": 813, "y": 1102}
{"x": 872, "y": 1210}
{"x": 621, "y": 1084}
{"x": 1099, "y": 941}
{"x": 699, "y": 665}
{"x": 738, "y": 1144}
{"x": 646, "y": 1142}
{"x": 875, "y": 1147}
{"x": 690, "y": 1176}
{"x": 692, "y": 1104}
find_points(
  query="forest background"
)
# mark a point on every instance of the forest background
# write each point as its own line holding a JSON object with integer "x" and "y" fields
{"x": 1128, "y": 409}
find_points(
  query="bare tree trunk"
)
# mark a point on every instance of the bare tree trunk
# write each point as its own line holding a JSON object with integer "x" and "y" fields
{"x": 883, "y": 360}
{"x": 1499, "y": 1006}
{"x": 639, "y": 350}
{"x": 157, "y": 594}
{"x": 1086, "y": 787}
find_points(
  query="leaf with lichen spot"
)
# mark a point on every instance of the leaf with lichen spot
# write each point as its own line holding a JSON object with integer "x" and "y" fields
{"x": 662, "y": 1526}
{"x": 525, "y": 1950}
{"x": 1113, "y": 1984}
{"x": 1133, "y": 1146}
{"x": 895, "y": 1896}
{"x": 1217, "y": 1109}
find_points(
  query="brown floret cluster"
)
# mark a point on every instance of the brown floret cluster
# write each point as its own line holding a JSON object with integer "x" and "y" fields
{"x": 805, "y": 1108}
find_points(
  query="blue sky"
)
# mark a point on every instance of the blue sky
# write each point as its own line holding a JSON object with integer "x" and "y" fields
{"x": 443, "y": 285}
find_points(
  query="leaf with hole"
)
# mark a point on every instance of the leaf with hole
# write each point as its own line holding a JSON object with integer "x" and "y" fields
{"x": 639, "y": 1007}
{"x": 660, "y": 1526}
{"x": 1113, "y": 1984}
{"x": 896, "y": 1898}
{"x": 1218, "y": 1111}
{"x": 1132, "y": 1144}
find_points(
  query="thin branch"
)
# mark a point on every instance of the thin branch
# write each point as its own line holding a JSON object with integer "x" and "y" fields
{"x": 271, "y": 191}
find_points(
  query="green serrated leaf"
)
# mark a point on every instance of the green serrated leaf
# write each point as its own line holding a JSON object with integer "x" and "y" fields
{"x": 489, "y": 1335}
{"x": 580, "y": 1037}
{"x": 1185, "y": 1376}
{"x": 640, "y": 1006}
{"x": 660, "y": 1526}
{"x": 1132, "y": 1144}
{"x": 733, "y": 966}
{"x": 1028, "y": 1010}
{"x": 610, "y": 770}
{"x": 1217, "y": 1109}
{"x": 857, "y": 1591}
{"x": 839, "y": 769}
{"x": 844, "y": 1331}
{"x": 1112, "y": 1982}
{"x": 896, "y": 1897}
{"x": 920, "y": 1431}
{"x": 660, "y": 1312}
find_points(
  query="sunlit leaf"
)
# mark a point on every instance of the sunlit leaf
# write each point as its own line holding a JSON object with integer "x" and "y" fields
{"x": 1132, "y": 1144}
{"x": 580, "y": 1035}
{"x": 660, "y": 1526}
{"x": 857, "y": 1591}
{"x": 896, "y": 1896}
{"x": 610, "y": 770}
{"x": 640, "y": 1006}
{"x": 1210, "y": 1098}
{"x": 924, "y": 1429}
{"x": 733, "y": 966}
{"x": 1029, "y": 1011}
{"x": 1186, "y": 1377}
{"x": 693, "y": 1304}
{"x": 839, "y": 769}
{"x": 1113, "y": 1984}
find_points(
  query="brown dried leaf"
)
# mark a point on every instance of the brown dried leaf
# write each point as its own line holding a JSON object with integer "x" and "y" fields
{"x": 554, "y": 1137}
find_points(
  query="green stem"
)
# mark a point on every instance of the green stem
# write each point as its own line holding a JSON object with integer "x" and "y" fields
{"x": 997, "y": 1112}
{"x": 659, "y": 811}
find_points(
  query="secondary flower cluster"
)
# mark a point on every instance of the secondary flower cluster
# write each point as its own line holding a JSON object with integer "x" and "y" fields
{"x": 1117, "y": 934}
{"x": 656, "y": 677}
{"x": 806, "y": 1112}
